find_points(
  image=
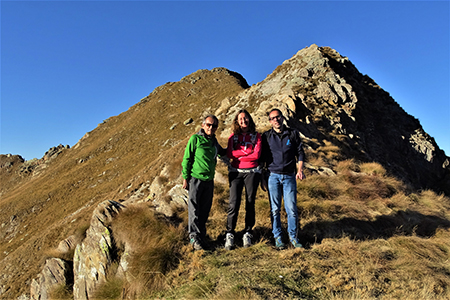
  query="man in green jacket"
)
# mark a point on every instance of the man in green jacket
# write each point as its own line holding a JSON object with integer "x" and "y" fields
{"x": 199, "y": 164}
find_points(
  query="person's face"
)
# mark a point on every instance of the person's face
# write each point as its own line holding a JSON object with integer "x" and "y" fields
{"x": 276, "y": 119}
{"x": 243, "y": 122}
{"x": 209, "y": 126}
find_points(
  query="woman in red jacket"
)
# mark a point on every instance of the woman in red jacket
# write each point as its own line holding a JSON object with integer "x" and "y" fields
{"x": 244, "y": 150}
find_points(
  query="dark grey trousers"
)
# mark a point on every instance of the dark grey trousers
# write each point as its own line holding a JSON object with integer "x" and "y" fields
{"x": 200, "y": 202}
{"x": 237, "y": 182}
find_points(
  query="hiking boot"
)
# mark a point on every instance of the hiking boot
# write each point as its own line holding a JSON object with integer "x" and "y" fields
{"x": 296, "y": 244}
{"x": 279, "y": 243}
{"x": 247, "y": 239}
{"x": 196, "y": 245}
{"x": 229, "y": 241}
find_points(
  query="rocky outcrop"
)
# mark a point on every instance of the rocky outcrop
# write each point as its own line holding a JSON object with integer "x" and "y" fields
{"x": 94, "y": 255}
{"x": 54, "y": 152}
{"x": 67, "y": 245}
{"x": 55, "y": 272}
{"x": 8, "y": 230}
{"x": 193, "y": 78}
{"x": 32, "y": 166}
{"x": 8, "y": 160}
{"x": 166, "y": 202}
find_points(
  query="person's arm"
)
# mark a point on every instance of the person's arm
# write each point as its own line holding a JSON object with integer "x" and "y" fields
{"x": 254, "y": 153}
{"x": 300, "y": 175}
{"x": 238, "y": 153}
{"x": 262, "y": 162}
{"x": 185, "y": 184}
{"x": 188, "y": 161}
{"x": 300, "y": 157}
{"x": 220, "y": 150}
{"x": 230, "y": 146}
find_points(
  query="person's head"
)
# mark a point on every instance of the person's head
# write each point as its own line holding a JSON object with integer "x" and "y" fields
{"x": 243, "y": 122}
{"x": 210, "y": 124}
{"x": 276, "y": 119}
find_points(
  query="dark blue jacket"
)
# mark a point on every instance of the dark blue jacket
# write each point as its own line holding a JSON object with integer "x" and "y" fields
{"x": 281, "y": 152}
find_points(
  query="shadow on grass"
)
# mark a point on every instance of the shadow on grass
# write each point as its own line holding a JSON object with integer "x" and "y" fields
{"x": 402, "y": 223}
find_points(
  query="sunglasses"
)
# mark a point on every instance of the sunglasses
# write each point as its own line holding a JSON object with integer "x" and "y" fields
{"x": 275, "y": 117}
{"x": 211, "y": 125}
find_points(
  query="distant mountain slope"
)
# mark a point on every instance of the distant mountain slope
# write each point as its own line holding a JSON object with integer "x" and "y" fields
{"x": 40, "y": 208}
{"x": 320, "y": 92}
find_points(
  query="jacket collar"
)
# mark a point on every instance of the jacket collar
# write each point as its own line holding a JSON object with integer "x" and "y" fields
{"x": 202, "y": 133}
{"x": 285, "y": 130}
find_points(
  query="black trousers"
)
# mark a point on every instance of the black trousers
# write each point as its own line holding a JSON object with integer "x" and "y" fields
{"x": 238, "y": 181}
{"x": 200, "y": 201}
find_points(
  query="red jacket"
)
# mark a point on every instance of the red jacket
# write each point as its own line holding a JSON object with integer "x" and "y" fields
{"x": 244, "y": 150}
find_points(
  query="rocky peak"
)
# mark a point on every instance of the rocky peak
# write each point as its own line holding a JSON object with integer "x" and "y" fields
{"x": 323, "y": 95}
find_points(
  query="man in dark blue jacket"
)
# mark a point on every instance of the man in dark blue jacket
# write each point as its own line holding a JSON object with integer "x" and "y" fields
{"x": 282, "y": 157}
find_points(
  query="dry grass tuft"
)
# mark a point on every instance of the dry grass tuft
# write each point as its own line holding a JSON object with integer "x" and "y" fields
{"x": 61, "y": 292}
{"x": 346, "y": 166}
{"x": 373, "y": 169}
{"x": 112, "y": 289}
{"x": 156, "y": 244}
{"x": 325, "y": 155}
{"x": 433, "y": 202}
{"x": 379, "y": 269}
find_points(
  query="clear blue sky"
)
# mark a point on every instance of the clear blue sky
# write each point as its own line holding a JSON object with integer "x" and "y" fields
{"x": 68, "y": 65}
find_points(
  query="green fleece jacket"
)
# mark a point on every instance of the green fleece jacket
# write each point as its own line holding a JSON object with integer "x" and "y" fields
{"x": 200, "y": 157}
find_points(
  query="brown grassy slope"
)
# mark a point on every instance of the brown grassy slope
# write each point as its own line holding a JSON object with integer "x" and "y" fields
{"x": 108, "y": 163}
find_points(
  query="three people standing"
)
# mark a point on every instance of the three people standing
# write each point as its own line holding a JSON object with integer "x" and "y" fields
{"x": 278, "y": 151}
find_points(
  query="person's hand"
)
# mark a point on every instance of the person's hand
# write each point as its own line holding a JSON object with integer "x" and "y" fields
{"x": 300, "y": 175}
{"x": 185, "y": 184}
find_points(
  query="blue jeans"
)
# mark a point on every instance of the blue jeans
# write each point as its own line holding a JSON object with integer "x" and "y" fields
{"x": 283, "y": 186}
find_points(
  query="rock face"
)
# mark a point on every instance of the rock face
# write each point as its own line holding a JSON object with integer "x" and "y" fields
{"x": 30, "y": 167}
{"x": 8, "y": 160}
{"x": 94, "y": 255}
{"x": 55, "y": 272}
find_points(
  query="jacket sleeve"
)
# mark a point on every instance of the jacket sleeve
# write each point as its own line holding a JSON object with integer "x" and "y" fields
{"x": 255, "y": 153}
{"x": 220, "y": 150}
{"x": 230, "y": 146}
{"x": 264, "y": 150}
{"x": 188, "y": 158}
{"x": 300, "y": 152}
{"x": 233, "y": 153}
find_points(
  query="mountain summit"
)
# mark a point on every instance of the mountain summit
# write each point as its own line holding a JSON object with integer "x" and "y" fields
{"x": 136, "y": 156}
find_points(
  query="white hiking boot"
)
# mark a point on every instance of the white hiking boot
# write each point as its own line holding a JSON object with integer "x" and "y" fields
{"x": 247, "y": 239}
{"x": 229, "y": 241}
